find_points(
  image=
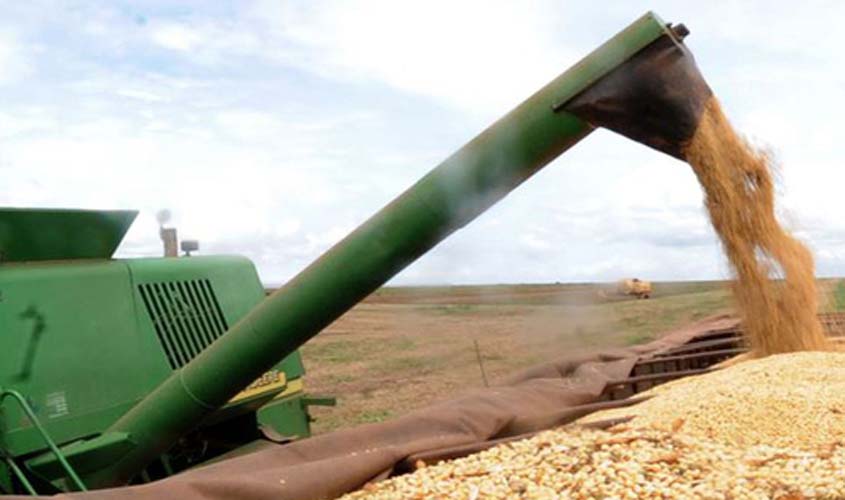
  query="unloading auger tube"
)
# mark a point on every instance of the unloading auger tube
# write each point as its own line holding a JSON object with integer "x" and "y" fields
{"x": 642, "y": 82}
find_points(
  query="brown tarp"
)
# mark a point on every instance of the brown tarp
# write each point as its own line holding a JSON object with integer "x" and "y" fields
{"x": 329, "y": 465}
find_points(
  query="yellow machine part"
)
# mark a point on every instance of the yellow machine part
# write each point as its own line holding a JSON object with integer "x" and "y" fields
{"x": 271, "y": 380}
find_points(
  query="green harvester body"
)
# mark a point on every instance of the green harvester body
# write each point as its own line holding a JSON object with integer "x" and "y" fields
{"x": 85, "y": 337}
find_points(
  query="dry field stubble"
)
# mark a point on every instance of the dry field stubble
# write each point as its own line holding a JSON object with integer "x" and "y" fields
{"x": 405, "y": 348}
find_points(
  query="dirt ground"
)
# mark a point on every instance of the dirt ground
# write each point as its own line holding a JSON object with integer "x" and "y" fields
{"x": 405, "y": 348}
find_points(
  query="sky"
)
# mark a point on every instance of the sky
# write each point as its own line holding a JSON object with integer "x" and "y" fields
{"x": 273, "y": 128}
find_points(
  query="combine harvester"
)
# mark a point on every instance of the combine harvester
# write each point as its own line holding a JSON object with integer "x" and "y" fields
{"x": 124, "y": 371}
{"x": 634, "y": 287}
{"x": 87, "y": 336}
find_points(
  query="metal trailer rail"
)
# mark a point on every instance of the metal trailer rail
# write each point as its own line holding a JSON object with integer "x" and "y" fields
{"x": 698, "y": 356}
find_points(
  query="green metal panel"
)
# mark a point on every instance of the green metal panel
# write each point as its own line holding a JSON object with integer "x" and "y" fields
{"x": 451, "y": 195}
{"x": 69, "y": 345}
{"x": 287, "y": 417}
{"x": 5, "y": 479}
{"x": 100, "y": 456}
{"x": 31, "y": 234}
{"x": 69, "y": 474}
{"x": 78, "y": 342}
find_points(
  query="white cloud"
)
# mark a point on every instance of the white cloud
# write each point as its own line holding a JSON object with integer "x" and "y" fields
{"x": 26, "y": 121}
{"x": 15, "y": 63}
{"x": 141, "y": 95}
{"x": 251, "y": 125}
{"x": 207, "y": 42}
{"x": 476, "y": 55}
{"x": 177, "y": 37}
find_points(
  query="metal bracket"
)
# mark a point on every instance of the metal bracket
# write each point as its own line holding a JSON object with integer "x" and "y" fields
{"x": 17, "y": 396}
{"x": 314, "y": 400}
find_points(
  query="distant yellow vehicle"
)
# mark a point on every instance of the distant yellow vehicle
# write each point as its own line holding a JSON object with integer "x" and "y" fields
{"x": 635, "y": 286}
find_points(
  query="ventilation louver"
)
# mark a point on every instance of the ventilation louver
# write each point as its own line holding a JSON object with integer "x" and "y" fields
{"x": 186, "y": 316}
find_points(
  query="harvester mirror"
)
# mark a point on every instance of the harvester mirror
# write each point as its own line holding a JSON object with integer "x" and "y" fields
{"x": 189, "y": 246}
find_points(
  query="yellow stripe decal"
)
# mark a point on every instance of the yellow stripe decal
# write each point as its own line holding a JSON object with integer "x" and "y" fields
{"x": 272, "y": 380}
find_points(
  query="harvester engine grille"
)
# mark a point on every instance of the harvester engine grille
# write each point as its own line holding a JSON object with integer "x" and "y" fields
{"x": 186, "y": 316}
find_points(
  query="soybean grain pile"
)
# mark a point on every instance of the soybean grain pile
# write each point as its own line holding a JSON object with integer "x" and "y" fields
{"x": 622, "y": 464}
{"x": 794, "y": 400}
{"x": 778, "y": 315}
{"x": 712, "y": 436}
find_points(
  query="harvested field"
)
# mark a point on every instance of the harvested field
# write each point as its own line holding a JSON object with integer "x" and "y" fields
{"x": 407, "y": 347}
